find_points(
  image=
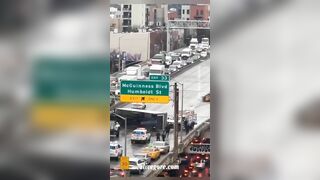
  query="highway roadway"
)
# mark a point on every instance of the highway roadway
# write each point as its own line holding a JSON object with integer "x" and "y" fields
{"x": 196, "y": 82}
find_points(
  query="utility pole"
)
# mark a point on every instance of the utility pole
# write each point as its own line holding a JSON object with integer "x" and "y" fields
{"x": 119, "y": 58}
{"x": 125, "y": 132}
{"x": 176, "y": 111}
{"x": 181, "y": 114}
{"x": 168, "y": 37}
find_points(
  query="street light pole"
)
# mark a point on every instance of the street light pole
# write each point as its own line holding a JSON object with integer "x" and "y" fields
{"x": 119, "y": 55}
{"x": 119, "y": 60}
{"x": 125, "y": 132}
{"x": 181, "y": 113}
{"x": 168, "y": 37}
{"x": 176, "y": 112}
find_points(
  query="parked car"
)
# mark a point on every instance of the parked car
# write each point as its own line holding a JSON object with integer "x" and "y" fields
{"x": 140, "y": 135}
{"x": 172, "y": 68}
{"x": 178, "y": 64}
{"x": 114, "y": 128}
{"x": 136, "y": 165}
{"x": 153, "y": 152}
{"x": 138, "y": 106}
{"x": 144, "y": 157}
{"x": 116, "y": 150}
{"x": 163, "y": 146}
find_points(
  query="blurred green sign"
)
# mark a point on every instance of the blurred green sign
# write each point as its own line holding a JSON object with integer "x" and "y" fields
{"x": 159, "y": 77}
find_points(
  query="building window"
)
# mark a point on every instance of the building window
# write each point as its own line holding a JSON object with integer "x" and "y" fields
{"x": 188, "y": 11}
{"x": 182, "y": 11}
{"x": 187, "y": 18}
{"x": 201, "y": 12}
{"x": 197, "y": 12}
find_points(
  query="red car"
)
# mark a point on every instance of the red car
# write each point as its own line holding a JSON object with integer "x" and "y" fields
{"x": 117, "y": 172}
{"x": 205, "y": 140}
{"x": 196, "y": 140}
{"x": 185, "y": 173}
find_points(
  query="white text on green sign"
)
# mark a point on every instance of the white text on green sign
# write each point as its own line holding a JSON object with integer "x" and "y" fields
{"x": 154, "y": 88}
{"x": 159, "y": 77}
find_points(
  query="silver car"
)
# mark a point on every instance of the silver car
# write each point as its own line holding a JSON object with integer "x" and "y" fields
{"x": 138, "y": 106}
{"x": 144, "y": 157}
{"x": 173, "y": 68}
{"x": 163, "y": 146}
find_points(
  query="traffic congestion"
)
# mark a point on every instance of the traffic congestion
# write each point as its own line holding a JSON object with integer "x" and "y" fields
{"x": 149, "y": 141}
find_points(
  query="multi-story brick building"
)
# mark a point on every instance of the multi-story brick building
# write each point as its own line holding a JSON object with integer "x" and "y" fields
{"x": 199, "y": 12}
{"x": 195, "y": 12}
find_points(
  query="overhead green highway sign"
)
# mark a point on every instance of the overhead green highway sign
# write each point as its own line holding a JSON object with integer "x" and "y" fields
{"x": 144, "y": 91}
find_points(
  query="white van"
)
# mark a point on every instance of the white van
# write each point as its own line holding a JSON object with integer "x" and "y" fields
{"x": 193, "y": 44}
{"x": 157, "y": 69}
{"x": 186, "y": 53}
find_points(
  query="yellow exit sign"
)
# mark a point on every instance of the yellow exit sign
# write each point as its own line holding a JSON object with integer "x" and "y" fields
{"x": 124, "y": 163}
{"x": 144, "y": 99}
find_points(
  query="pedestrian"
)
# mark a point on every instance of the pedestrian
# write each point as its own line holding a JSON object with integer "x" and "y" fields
{"x": 186, "y": 127}
{"x": 192, "y": 124}
{"x": 158, "y": 136}
{"x": 163, "y": 135}
{"x": 167, "y": 130}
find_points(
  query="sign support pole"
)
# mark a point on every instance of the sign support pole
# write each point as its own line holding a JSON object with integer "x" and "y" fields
{"x": 176, "y": 111}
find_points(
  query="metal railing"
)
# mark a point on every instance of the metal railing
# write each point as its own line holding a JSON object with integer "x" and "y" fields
{"x": 188, "y": 24}
{"x": 168, "y": 158}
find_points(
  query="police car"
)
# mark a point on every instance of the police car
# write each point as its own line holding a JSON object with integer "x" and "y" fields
{"x": 116, "y": 150}
{"x": 140, "y": 135}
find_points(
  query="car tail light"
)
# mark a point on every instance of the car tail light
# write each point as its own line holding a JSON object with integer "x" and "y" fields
{"x": 198, "y": 157}
{"x": 122, "y": 173}
{"x": 186, "y": 157}
{"x": 186, "y": 171}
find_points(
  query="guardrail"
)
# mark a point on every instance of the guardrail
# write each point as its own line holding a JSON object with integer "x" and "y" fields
{"x": 187, "y": 140}
{"x": 168, "y": 158}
